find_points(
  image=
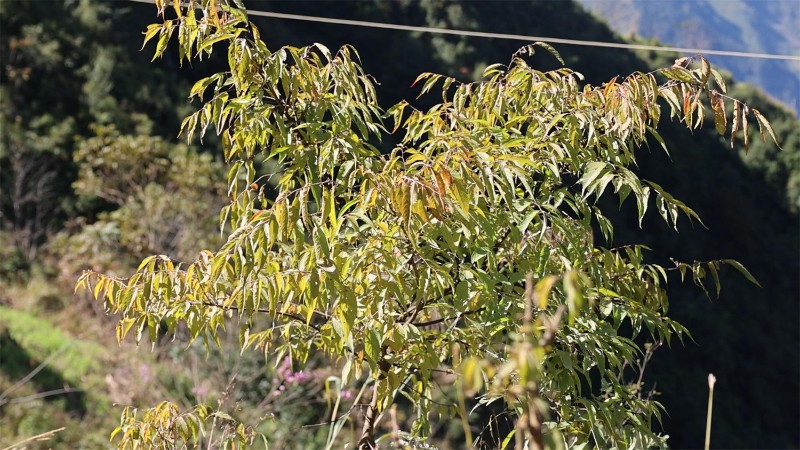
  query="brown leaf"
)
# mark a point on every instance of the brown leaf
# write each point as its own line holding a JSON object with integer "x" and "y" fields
{"x": 718, "y": 105}
{"x": 736, "y": 120}
{"x": 745, "y": 111}
{"x": 680, "y": 62}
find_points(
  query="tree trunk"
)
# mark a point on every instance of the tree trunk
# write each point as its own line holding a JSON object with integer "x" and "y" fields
{"x": 367, "y": 440}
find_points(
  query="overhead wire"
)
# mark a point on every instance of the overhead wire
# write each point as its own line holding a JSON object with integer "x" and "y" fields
{"x": 514, "y": 37}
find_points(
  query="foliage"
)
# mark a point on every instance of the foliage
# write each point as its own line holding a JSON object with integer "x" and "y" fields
{"x": 49, "y": 379}
{"x": 65, "y": 69}
{"x": 745, "y": 25}
{"x": 41, "y": 340}
{"x": 29, "y": 162}
{"x": 163, "y": 197}
{"x": 163, "y": 426}
{"x": 780, "y": 169}
{"x": 413, "y": 263}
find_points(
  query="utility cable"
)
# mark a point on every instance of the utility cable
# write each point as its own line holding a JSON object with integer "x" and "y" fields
{"x": 514, "y": 37}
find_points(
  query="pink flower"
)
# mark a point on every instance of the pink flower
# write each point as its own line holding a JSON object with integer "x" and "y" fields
{"x": 285, "y": 372}
{"x": 202, "y": 390}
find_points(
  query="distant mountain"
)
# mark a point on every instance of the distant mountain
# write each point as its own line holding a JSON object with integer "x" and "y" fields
{"x": 763, "y": 26}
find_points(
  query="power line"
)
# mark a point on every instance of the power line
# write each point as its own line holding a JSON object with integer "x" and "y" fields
{"x": 514, "y": 37}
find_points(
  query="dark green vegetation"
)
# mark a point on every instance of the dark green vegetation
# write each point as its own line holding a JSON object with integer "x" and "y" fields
{"x": 748, "y": 337}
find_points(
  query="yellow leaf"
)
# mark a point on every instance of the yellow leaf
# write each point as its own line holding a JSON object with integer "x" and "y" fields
{"x": 542, "y": 290}
{"x": 419, "y": 209}
{"x": 403, "y": 199}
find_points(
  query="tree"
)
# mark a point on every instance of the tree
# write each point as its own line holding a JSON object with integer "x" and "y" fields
{"x": 62, "y": 74}
{"x": 162, "y": 193}
{"x": 471, "y": 248}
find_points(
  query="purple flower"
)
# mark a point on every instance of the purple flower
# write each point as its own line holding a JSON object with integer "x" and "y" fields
{"x": 285, "y": 372}
{"x": 202, "y": 390}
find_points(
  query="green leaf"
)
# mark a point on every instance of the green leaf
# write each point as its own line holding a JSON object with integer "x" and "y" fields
{"x": 507, "y": 439}
{"x": 163, "y": 40}
{"x": 719, "y": 80}
{"x": 592, "y": 171}
{"x": 679, "y": 74}
{"x": 550, "y": 49}
{"x": 213, "y": 39}
{"x": 712, "y": 267}
{"x": 150, "y": 33}
{"x": 372, "y": 349}
{"x": 705, "y": 70}
{"x": 738, "y": 266}
{"x": 523, "y": 226}
{"x": 200, "y": 86}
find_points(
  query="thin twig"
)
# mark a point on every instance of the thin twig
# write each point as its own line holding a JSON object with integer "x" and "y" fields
{"x": 39, "y": 437}
{"x": 39, "y": 395}
{"x": 711, "y": 381}
{"x": 445, "y": 319}
{"x": 647, "y": 357}
{"x": 32, "y": 374}
{"x": 266, "y": 311}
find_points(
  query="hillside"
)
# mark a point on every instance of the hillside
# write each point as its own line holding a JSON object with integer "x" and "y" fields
{"x": 91, "y": 175}
{"x": 740, "y": 25}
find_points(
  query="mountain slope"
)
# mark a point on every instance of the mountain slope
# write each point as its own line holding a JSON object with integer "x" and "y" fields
{"x": 740, "y": 25}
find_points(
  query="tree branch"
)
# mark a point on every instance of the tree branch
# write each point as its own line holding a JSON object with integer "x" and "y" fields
{"x": 445, "y": 319}
{"x": 275, "y": 313}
